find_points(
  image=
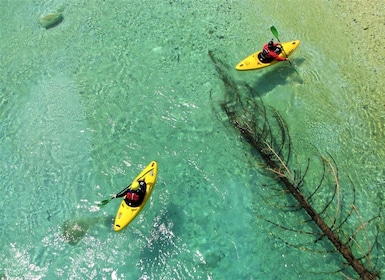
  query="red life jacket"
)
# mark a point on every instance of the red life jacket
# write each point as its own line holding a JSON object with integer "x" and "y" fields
{"x": 132, "y": 196}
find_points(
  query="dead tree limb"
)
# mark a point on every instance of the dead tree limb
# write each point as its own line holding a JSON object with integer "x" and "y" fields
{"x": 272, "y": 144}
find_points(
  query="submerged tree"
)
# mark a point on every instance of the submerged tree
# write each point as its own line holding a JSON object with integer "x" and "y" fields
{"x": 268, "y": 135}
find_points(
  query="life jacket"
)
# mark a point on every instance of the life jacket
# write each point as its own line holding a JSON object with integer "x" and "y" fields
{"x": 135, "y": 198}
{"x": 278, "y": 49}
{"x": 132, "y": 196}
{"x": 264, "y": 54}
{"x": 265, "y": 50}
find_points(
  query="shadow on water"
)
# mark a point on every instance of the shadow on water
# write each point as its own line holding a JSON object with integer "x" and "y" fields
{"x": 166, "y": 225}
{"x": 276, "y": 76}
{"x": 164, "y": 251}
{"x": 74, "y": 230}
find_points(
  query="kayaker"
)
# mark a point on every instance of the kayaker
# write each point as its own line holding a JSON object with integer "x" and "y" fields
{"x": 271, "y": 51}
{"x": 134, "y": 194}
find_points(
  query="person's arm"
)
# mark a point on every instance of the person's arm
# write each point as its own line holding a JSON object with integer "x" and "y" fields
{"x": 279, "y": 45}
{"x": 276, "y": 56}
{"x": 122, "y": 193}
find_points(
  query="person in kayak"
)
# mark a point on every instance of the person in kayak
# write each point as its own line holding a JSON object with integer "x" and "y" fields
{"x": 271, "y": 51}
{"x": 134, "y": 194}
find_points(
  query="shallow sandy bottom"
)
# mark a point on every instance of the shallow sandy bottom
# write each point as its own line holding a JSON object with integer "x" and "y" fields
{"x": 364, "y": 23}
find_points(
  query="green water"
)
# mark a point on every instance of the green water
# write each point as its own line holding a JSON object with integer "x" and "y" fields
{"x": 86, "y": 105}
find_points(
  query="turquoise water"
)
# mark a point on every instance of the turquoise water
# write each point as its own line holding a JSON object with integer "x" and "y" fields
{"x": 89, "y": 103}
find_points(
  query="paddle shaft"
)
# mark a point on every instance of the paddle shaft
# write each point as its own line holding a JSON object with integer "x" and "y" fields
{"x": 121, "y": 193}
{"x": 106, "y": 201}
{"x": 285, "y": 52}
{"x": 275, "y": 33}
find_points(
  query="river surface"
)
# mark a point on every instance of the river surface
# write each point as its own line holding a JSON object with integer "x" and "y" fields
{"x": 87, "y": 104}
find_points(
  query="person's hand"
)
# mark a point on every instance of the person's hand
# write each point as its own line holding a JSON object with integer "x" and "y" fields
{"x": 114, "y": 196}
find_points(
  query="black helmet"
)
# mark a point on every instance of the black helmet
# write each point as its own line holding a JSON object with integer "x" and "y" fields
{"x": 270, "y": 44}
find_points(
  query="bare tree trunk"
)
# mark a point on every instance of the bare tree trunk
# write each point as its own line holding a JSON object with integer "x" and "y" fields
{"x": 345, "y": 251}
{"x": 257, "y": 130}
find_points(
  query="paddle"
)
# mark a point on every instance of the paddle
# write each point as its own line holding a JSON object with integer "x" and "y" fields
{"x": 275, "y": 33}
{"x": 104, "y": 202}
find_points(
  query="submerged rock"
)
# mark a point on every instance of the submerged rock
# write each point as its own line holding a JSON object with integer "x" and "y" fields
{"x": 51, "y": 20}
{"x": 74, "y": 230}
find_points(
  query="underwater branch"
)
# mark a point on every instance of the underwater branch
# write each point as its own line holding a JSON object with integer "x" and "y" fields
{"x": 272, "y": 145}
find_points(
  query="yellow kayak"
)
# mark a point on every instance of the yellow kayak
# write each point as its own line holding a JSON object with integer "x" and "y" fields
{"x": 126, "y": 214}
{"x": 252, "y": 62}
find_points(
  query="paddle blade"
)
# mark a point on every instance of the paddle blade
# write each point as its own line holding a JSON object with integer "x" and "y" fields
{"x": 104, "y": 202}
{"x": 274, "y": 31}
